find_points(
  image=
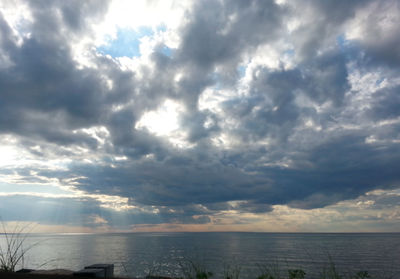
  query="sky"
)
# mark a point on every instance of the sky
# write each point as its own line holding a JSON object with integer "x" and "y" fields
{"x": 208, "y": 115}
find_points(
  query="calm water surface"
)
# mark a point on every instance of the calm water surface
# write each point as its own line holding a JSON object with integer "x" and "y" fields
{"x": 138, "y": 254}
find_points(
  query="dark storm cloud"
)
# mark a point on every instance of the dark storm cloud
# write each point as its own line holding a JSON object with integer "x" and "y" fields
{"x": 218, "y": 31}
{"x": 386, "y": 104}
{"x": 43, "y": 93}
{"x": 343, "y": 168}
{"x": 380, "y": 41}
{"x": 163, "y": 183}
{"x": 272, "y": 110}
{"x": 219, "y": 34}
{"x": 323, "y": 23}
{"x": 46, "y": 98}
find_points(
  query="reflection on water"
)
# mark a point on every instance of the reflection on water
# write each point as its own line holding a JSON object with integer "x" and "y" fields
{"x": 138, "y": 254}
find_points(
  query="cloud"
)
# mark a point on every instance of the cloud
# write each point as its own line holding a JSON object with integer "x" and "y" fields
{"x": 375, "y": 30}
{"x": 269, "y": 105}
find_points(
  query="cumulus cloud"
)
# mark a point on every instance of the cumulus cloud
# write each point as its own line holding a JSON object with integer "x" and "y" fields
{"x": 231, "y": 106}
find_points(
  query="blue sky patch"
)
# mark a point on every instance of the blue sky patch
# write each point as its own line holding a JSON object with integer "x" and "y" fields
{"x": 241, "y": 70}
{"x": 126, "y": 42}
{"x": 342, "y": 42}
{"x": 166, "y": 51}
{"x": 289, "y": 52}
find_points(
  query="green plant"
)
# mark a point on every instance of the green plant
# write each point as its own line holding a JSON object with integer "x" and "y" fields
{"x": 296, "y": 274}
{"x": 192, "y": 270}
{"x": 232, "y": 271}
{"x": 362, "y": 275}
{"x": 12, "y": 252}
{"x": 266, "y": 276}
{"x": 270, "y": 271}
{"x": 330, "y": 272}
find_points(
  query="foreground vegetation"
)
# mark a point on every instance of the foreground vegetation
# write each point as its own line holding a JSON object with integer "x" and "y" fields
{"x": 12, "y": 252}
{"x": 194, "y": 271}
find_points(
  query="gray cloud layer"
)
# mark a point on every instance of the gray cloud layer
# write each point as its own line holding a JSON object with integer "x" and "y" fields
{"x": 346, "y": 151}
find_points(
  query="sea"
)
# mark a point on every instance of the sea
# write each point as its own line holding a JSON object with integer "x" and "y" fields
{"x": 235, "y": 254}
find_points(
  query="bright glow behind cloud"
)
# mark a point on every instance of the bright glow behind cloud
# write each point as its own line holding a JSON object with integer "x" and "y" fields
{"x": 162, "y": 121}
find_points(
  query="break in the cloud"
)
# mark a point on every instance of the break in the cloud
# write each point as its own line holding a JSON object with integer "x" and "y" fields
{"x": 202, "y": 115}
